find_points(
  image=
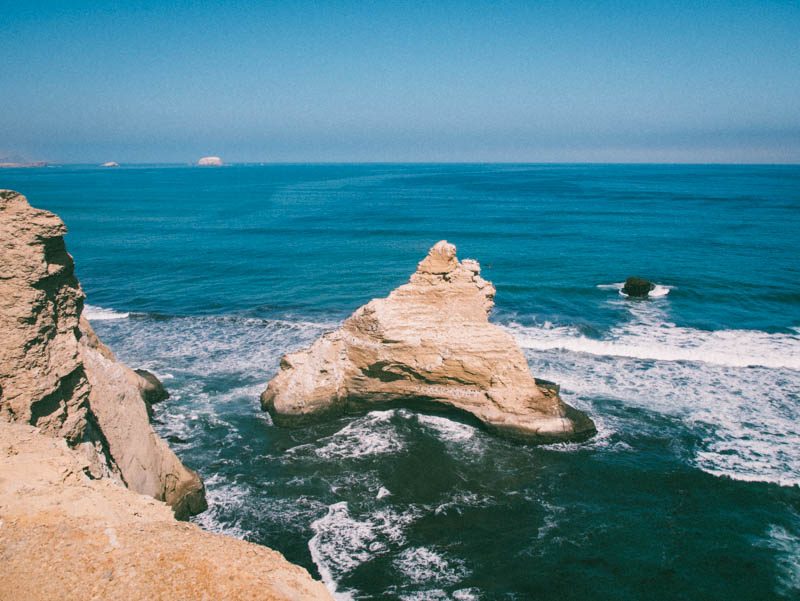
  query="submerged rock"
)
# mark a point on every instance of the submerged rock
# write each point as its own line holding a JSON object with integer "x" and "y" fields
{"x": 429, "y": 343}
{"x": 637, "y": 287}
{"x": 55, "y": 373}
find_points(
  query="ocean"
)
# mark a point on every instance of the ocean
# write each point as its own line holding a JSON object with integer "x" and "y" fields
{"x": 691, "y": 488}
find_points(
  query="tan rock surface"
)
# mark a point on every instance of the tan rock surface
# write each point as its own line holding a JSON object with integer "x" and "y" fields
{"x": 430, "y": 342}
{"x": 57, "y": 375}
{"x": 66, "y": 536}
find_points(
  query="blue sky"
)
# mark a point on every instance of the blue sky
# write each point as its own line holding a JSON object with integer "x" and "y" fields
{"x": 401, "y": 81}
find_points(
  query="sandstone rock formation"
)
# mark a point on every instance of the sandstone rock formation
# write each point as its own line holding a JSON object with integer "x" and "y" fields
{"x": 210, "y": 162}
{"x": 55, "y": 374}
{"x": 429, "y": 341}
{"x": 66, "y": 536}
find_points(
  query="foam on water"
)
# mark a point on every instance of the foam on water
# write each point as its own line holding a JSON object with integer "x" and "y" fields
{"x": 787, "y": 543}
{"x": 93, "y": 313}
{"x": 222, "y": 495}
{"x": 341, "y": 543}
{"x": 668, "y": 342}
{"x": 364, "y": 437}
{"x": 424, "y": 565}
{"x": 456, "y": 502}
{"x": 658, "y": 291}
{"x": 737, "y": 389}
{"x": 447, "y": 429}
{"x": 464, "y": 594}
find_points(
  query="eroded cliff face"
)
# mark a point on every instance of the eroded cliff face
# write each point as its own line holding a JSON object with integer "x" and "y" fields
{"x": 56, "y": 375}
{"x": 429, "y": 341}
{"x": 64, "y": 535}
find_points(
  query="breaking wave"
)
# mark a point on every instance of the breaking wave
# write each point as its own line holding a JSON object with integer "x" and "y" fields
{"x": 94, "y": 313}
{"x": 341, "y": 543}
{"x": 666, "y": 341}
{"x": 738, "y": 390}
{"x": 658, "y": 291}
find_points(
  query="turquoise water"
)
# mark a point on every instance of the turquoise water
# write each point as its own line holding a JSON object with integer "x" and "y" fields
{"x": 691, "y": 490}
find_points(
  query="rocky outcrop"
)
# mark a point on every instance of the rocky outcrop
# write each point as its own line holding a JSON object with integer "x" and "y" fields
{"x": 64, "y": 535}
{"x": 429, "y": 343}
{"x": 637, "y": 287}
{"x": 151, "y": 389}
{"x": 210, "y": 162}
{"x": 55, "y": 373}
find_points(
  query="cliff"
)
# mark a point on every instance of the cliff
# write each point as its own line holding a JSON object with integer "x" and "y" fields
{"x": 430, "y": 343}
{"x": 64, "y": 535}
{"x": 56, "y": 375}
{"x": 82, "y": 472}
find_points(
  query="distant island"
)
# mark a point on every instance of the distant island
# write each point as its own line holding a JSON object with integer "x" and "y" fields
{"x": 210, "y": 162}
{"x": 15, "y": 161}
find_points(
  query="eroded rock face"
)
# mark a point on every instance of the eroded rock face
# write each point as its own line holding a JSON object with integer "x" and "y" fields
{"x": 66, "y": 536}
{"x": 55, "y": 373}
{"x": 429, "y": 341}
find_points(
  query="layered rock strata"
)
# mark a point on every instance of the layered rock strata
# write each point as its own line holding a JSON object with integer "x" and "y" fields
{"x": 55, "y": 373}
{"x": 64, "y": 535}
{"x": 429, "y": 342}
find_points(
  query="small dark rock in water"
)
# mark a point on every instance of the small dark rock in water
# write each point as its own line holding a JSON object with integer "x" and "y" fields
{"x": 152, "y": 389}
{"x": 637, "y": 287}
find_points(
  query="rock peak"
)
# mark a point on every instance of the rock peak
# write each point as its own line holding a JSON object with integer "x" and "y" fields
{"x": 429, "y": 341}
{"x": 441, "y": 259}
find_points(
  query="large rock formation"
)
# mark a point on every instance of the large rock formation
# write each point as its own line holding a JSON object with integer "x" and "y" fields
{"x": 429, "y": 341}
{"x": 66, "y": 536}
{"x": 55, "y": 374}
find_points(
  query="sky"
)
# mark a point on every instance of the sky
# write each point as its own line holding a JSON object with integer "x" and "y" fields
{"x": 445, "y": 81}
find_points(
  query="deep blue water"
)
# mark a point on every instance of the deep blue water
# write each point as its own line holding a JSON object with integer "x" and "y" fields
{"x": 691, "y": 490}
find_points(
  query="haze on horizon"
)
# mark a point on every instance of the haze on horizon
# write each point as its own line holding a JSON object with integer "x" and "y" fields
{"x": 425, "y": 81}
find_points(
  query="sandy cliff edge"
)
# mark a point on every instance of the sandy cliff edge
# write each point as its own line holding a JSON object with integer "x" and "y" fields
{"x": 65, "y": 535}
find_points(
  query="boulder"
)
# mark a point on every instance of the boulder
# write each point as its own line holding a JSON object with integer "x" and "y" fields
{"x": 151, "y": 389}
{"x": 57, "y": 375}
{"x": 428, "y": 344}
{"x": 637, "y": 287}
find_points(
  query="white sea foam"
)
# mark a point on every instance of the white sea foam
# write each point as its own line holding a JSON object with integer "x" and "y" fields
{"x": 369, "y": 435}
{"x": 665, "y": 341}
{"x": 787, "y": 545}
{"x": 658, "y": 291}
{"x": 464, "y": 594}
{"x": 423, "y": 565}
{"x": 93, "y": 313}
{"x": 738, "y": 389}
{"x": 463, "y": 499}
{"x": 225, "y": 497}
{"x": 341, "y": 543}
{"x": 447, "y": 429}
